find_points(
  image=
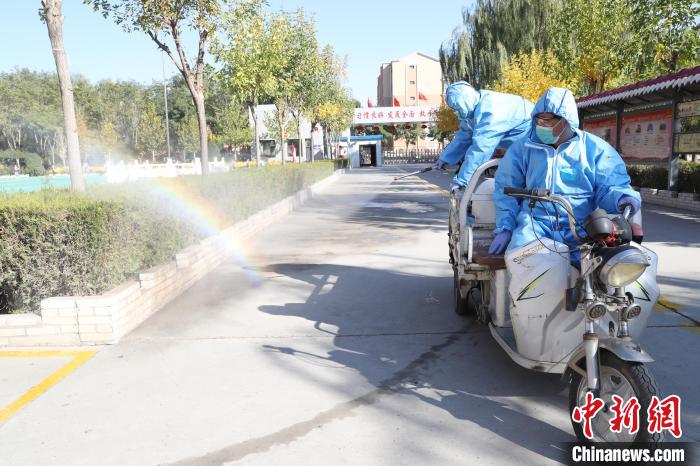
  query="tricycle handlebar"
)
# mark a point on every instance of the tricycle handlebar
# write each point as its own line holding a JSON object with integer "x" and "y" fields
{"x": 542, "y": 194}
{"x": 535, "y": 192}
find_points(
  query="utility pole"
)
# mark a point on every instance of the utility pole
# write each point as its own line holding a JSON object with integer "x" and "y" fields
{"x": 167, "y": 119}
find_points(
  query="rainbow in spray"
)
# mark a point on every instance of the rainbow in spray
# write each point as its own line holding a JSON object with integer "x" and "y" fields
{"x": 205, "y": 217}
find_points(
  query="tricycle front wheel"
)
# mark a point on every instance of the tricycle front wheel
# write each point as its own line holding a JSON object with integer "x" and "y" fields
{"x": 622, "y": 378}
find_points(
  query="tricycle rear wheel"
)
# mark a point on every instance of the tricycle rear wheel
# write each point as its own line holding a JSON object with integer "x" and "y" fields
{"x": 460, "y": 303}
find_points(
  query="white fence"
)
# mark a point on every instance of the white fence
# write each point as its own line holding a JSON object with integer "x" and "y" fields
{"x": 118, "y": 173}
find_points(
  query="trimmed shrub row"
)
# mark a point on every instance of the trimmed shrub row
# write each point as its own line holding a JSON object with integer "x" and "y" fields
{"x": 58, "y": 243}
{"x": 656, "y": 177}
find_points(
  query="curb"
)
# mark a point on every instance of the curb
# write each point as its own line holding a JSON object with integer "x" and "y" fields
{"x": 684, "y": 201}
{"x": 79, "y": 321}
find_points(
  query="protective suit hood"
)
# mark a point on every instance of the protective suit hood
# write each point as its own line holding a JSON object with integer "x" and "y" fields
{"x": 462, "y": 98}
{"x": 560, "y": 102}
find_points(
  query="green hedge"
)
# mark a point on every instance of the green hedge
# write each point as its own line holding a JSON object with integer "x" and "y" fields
{"x": 58, "y": 243}
{"x": 653, "y": 176}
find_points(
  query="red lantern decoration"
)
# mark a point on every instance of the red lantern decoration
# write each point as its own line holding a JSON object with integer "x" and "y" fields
{"x": 375, "y": 128}
{"x": 423, "y": 126}
{"x": 407, "y": 126}
{"x": 360, "y": 128}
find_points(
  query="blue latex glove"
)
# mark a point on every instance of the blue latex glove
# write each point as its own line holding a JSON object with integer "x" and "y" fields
{"x": 439, "y": 165}
{"x": 454, "y": 187}
{"x": 629, "y": 200}
{"x": 500, "y": 242}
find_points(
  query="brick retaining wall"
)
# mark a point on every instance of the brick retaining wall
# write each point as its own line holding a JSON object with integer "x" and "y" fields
{"x": 104, "y": 319}
{"x": 687, "y": 201}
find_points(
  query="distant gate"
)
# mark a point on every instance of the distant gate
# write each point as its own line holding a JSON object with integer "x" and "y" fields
{"x": 398, "y": 157}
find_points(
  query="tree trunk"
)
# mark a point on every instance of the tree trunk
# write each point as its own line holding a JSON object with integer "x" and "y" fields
{"x": 302, "y": 147}
{"x": 673, "y": 63}
{"x": 54, "y": 22}
{"x": 283, "y": 142}
{"x": 326, "y": 149}
{"x": 203, "y": 133}
{"x": 256, "y": 136}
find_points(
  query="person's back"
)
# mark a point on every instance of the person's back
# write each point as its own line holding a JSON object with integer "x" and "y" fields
{"x": 511, "y": 108}
{"x": 488, "y": 120}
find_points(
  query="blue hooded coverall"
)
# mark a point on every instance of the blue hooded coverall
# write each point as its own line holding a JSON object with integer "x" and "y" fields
{"x": 585, "y": 169}
{"x": 487, "y": 120}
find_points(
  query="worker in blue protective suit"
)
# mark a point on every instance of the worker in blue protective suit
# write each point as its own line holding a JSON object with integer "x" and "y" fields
{"x": 487, "y": 120}
{"x": 558, "y": 156}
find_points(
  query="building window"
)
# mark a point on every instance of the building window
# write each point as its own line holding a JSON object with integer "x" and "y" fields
{"x": 412, "y": 82}
{"x": 413, "y": 67}
{"x": 413, "y": 98}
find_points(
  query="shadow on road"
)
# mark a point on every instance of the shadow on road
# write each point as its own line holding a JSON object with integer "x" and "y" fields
{"x": 671, "y": 226}
{"x": 403, "y": 205}
{"x": 460, "y": 374}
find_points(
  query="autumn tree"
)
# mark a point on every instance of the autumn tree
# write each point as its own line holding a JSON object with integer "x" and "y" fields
{"x": 446, "y": 124}
{"x": 250, "y": 54}
{"x": 187, "y": 135}
{"x": 335, "y": 115}
{"x": 286, "y": 85}
{"x": 492, "y": 31}
{"x": 595, "y": 43}
{"x": 50, "y": 13}
{"x": 164, "y": 21}
{"x": 230, "y": 124}
{"x": 670, "y": 33}
{"x": 151, "y": 141}
{"x": 306, "y": 64}
{"x": 331, "y": 105}
{"x": 531, "y": 74}
{"x": 409, "y": 133}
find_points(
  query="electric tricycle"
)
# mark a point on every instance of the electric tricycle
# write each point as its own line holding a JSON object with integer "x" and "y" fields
{"x": 583, "y": 321}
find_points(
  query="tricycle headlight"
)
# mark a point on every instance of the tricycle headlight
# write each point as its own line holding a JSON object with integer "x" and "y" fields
{"x": 622, "y": 265}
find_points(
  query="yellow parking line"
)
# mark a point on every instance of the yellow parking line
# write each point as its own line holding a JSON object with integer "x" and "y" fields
{"x": 79, "y": 357}
{"x": 692, "y": 327}
{"x": 668, "y": 305}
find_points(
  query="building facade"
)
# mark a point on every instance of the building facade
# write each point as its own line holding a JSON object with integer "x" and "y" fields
{"x": 269, "y": 144}
{"x": 415, "y": 79}
{"x": 412, "y": 81}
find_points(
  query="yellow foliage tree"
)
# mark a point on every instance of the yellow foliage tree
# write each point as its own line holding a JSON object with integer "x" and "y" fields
{"x": 445, "y": 125}
{"x": 531, "y": 74}
{"x": 446, "y": 120}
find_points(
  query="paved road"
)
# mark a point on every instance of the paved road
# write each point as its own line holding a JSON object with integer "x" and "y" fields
{"x": 335, "y": 344}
